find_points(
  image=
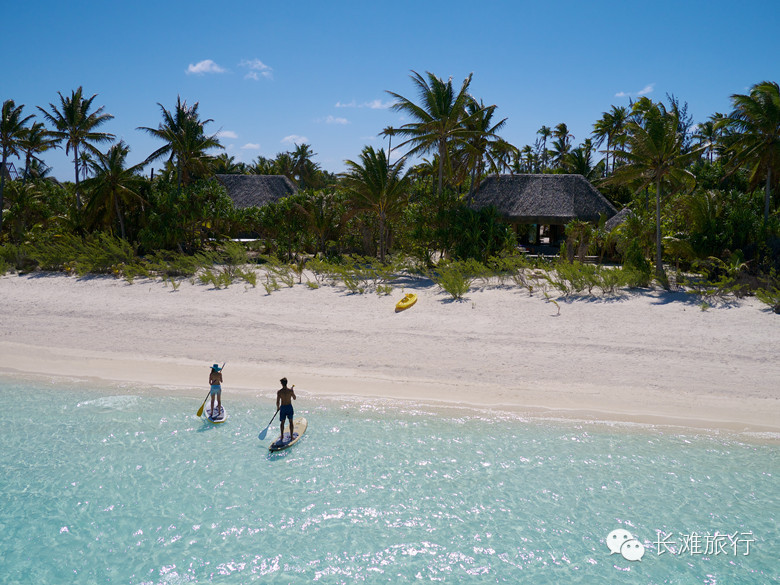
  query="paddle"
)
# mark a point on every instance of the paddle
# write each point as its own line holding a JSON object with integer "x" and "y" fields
{"x": 263, "y": 433}
{"x": 200, "y": 410}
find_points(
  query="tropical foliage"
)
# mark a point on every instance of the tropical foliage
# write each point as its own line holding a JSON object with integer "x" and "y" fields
{"x": 698, "y": 197}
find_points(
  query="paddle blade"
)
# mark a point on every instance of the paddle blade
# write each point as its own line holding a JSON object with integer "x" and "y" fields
{"x": 200, "y": 410}
{"x": 263, "y": 433}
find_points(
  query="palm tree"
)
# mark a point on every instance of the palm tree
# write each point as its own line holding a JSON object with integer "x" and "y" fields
{"x": 75, "y": 124}
{"x": 376, "y": 186}
{"x": 485, "y": 149}
{"x": 85, "y": 158}
{"x": 655, "y": 156}
{"x": 304, "y": 168}
{"x": 579, "y": 162}
{"x": 545, "y": 132}
{"x": 224, "y": 164}
{"x": 262, "y": 166}
{"x": 755, "y": 123}
{"x": 389, "y": 131}
{"x": 36, "y": 140}
{"x": 561, "y": 146}
{"x": 12, "y": 131}
{"x": 325, "y": 214}
{"x": 608, "y": 127}
{"x": 284, "y": 165}
{"x": 439, "y": 119}
{"x": 186, "y": 142}
{"x": 113, "y": 185}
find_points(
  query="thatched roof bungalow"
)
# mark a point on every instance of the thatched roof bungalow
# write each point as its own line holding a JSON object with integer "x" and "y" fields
{"x": 256, "y": 190}
{"x": 542, "y": 200}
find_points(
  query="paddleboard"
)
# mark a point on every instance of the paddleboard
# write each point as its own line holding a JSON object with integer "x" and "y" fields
{"x": 281, "y": 443}
{"x": 406, "y": 302}
{"x": 219, "y": 418}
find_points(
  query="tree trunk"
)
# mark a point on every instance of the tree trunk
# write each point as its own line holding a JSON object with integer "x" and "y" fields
{"x": 2, "y": 187}
{"x": 659, "y": 269}
{"x": 767, "y": 193}
{"x": 382, "y": 236}
{"x": 442, "y": 151}
{"x": 121, "y": 219}
{"x": 76, "y": 167}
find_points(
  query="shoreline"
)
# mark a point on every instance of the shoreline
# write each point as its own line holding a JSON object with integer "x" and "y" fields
{"x": 598, "y": 421}
{"x": 639, "y": 359}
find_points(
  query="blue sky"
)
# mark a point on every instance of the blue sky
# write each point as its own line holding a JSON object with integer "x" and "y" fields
{"x": 274, "y": 73}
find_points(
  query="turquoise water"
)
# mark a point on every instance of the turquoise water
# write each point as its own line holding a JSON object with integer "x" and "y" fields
{"x": 104, "y": 487}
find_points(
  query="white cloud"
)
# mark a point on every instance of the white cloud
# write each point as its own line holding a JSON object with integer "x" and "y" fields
{"x": 647, "y": 89}
{"x": 334, "y": 120}
{"x": 377, "y": 105}
{"x": 644, "y": 91}
{"x": 256, "y": 69}
{"x": 372, "y": 105}
{"x": 294, "y": 139}
{"x": 227, "y": 134}
{"x": 251, "y": 146}
{"x": 205, "y": 66}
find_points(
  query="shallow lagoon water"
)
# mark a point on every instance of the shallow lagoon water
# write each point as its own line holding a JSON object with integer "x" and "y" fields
{"x": 117, "y": 486}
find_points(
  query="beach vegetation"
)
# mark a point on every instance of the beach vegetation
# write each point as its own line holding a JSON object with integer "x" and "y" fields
{"x": 769, "y": 292}
{"x": 270, "y": 284}
{"x": 701, "y": 199}
{"x": 456, "y": 277}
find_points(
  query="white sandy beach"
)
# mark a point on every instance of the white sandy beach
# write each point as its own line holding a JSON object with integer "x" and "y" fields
{"x": 651, "y": 357}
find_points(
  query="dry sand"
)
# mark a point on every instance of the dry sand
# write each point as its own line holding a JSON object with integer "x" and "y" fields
{"x": 649, "y": 357}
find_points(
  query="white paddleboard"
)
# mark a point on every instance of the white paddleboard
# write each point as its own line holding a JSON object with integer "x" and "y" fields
{"x": 219, "y": 418}
{"x": 284, "y": 442}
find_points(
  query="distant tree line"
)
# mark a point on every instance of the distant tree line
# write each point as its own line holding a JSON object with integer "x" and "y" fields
{"x": 695, "y": 194}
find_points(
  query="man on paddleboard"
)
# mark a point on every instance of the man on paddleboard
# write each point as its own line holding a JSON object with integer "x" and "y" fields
{"x": 284, "y": 398}
{"x": 215, "y": 381}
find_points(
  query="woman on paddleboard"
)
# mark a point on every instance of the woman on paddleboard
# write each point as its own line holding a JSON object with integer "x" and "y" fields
{"x": 284, "y": 398}
{"x": 215, "y": 381}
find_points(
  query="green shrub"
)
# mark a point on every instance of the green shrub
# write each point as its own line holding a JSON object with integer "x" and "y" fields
{"x": 250, "y": 276}
{"x": 457, "y": 277}
{"x": 18, "y": 257}
{"x": 270, "y": 284}
{"x": 770, "y": 296}
{"x": 610, "y": 279}
{"x": 570, "y": 277}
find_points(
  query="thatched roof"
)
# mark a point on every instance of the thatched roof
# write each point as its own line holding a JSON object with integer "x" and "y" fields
{"x": 542, "y": 199}
{"x": 256, "y": 190}
{"x": 617, "y": 219}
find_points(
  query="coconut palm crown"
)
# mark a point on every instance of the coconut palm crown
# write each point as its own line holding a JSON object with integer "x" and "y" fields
{"x": 755, "y": 123}
{"x": 376, "y": 186}
{"x": 186, "y": 142}
{"x": 76, "y": 125}
{"x": 440, "y": 118}
{"x": 12, "y": 131}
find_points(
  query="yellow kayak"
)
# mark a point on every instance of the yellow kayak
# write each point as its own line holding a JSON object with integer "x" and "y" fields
{"x": 406, "y": 302}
